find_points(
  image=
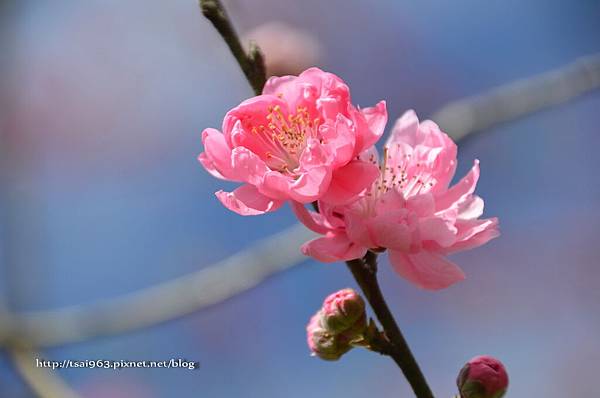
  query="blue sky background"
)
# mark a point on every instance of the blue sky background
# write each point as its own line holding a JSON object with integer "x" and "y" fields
{"x": 103, "y": 104}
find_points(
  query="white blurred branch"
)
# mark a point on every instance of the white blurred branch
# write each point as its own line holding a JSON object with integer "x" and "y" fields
{"x": 272, "y": 255}
{"x": 43, "y": 381}
{"x": 165, "y": 301}
{"x": 520, "y": 98}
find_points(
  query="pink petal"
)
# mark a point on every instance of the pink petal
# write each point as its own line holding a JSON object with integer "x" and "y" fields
{"x": 460, "y": 191}
{"x": 426, "y": 270}
{"x": 247, "y": 166}
{"x": 313, "y": 155}
{"x": 474, "y": 233}
{"x": 405, "y": 130}
{"x": 471, "y": 208}
{"x": 436, "y": 229}
{"x": 247, "y": 201}
{"x": 238, "y": 122}
{"x": 216, "y": 157}
{"x": 314, "y": 221}
{"x": 357, "y": 229}
{"x": 332, "y": 248}
{"x": 390, "y": 232}
{"x": 375, "y": 119}
{"x": 389, "y": 202}
{"x": 347, "y": 182}
{"x": 339, "y": 140}
{"x": 210, "y": 166}
{"x": 423, "y": 205}
{"x": 276, "y": 185}
{"x": 369, "y": 124}
{"x": 311, "y": 184}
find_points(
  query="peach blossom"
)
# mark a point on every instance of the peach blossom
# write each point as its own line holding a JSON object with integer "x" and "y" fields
{"x": 297, "y": 141}
{"x": 410, "y": 210}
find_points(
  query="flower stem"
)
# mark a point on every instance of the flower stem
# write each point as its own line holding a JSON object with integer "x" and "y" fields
{"x": 251, "y": 62}
{"x": 365, "y": 273}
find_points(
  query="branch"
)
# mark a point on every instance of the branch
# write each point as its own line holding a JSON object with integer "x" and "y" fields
{"x": 42, "y": 381}
{"x": 365, "y": 273}
{"x": 520, "y": 98}
{"x": 163, "y": 302}
{"x": 252, "y": 63}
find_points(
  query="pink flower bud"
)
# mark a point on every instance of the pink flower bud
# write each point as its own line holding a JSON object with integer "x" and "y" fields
{"x": 482, "y": 377}
{"x": 323, "y": 343}
{"x": 344, "y": 311}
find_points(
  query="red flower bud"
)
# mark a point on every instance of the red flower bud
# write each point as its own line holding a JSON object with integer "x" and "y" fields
{"x": 482, "y": 377}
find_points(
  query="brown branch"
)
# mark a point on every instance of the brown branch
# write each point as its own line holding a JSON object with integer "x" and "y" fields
{"x": 365, "y": 273}
{"x": 252, "y": 62}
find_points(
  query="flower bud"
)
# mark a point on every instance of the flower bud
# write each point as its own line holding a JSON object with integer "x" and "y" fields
{"x": 323, "y": 343}
{"x": 344, "y": 311}
{"x": 482, "y": 377}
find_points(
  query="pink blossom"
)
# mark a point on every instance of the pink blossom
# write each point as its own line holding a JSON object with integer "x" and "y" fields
{"x": 289, "y": 50}
{"x": 410, "y": 210}
{"x": 297, "y": 141}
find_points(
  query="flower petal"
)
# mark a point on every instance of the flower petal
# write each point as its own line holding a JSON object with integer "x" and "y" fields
{"x": 474, "y": 233}
{"x": 426, "y": 270}
{"x": 247, "y": 201}
{"x": 339, "y": 139}
{"x": 247, "y": 166}
{"x": 438, "y": 230}
{"x": 391, "y": 231}
{"x": 312, "y": 220}
{"x": 216, "y": 157}
{"x": 460, "y": 192}
{"x": 405, "y": 130}
{"x": 332, "y": 248}
{"x": 311, "y": 184}
{"x": 371, "y": 123}
{"x": 349, "y": 181}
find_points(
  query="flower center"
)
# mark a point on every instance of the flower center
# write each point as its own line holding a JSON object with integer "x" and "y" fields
{"x": 284, "y": 139}
{"x": 399, "y": 172}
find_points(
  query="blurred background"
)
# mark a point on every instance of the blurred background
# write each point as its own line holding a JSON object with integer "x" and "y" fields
{"x": 102, "y": 104}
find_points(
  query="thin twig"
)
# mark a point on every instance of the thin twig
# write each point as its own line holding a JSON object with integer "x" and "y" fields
{"x": 365, "y": 273}
{"x": 520, "y": 98}
{"x": 252, "y": 63}
{"x": 163, "y": 302}
{"x": 42, "y": 381}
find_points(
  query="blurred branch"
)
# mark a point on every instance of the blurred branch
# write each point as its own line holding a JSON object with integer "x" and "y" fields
{"x": 43, "y": 381}
{"x": 520, "y": 98}
{"x": 163, "y": 302}
{"x": 252, "y": 62}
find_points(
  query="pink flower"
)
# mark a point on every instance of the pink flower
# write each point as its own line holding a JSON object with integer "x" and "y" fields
{"x": 297, "y": 141}
{"x": 409, "y": 210}
{"x": 482, "y": 377}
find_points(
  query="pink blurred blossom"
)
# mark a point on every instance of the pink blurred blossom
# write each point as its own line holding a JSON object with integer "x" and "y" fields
{"x": 287, "y": 50}
{"x": 297, "y": 141}
{"x": 410, "y": 210}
